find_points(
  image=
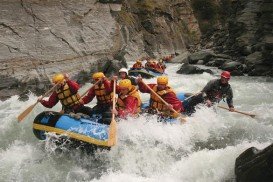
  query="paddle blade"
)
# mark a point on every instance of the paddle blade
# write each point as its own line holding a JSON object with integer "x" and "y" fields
{"x": 25, "y": 112}
{"x": 112, "y": 133}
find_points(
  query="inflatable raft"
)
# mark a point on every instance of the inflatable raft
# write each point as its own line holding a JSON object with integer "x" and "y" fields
{"x": 88, "y": 130}
{"x": 145, "y": 73}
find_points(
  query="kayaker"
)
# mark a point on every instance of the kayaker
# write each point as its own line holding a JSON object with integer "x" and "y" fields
{"x": 215, "y": 91}
{"x": 129, "y": 102}
{"x": 166, "y": 93}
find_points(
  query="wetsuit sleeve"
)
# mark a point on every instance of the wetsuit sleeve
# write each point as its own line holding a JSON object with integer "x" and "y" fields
{"x": 230, "y": 97}
{"x": 73, "y": 86}
{"x": 143, "y": 88}
{"x": 108, "y": 86}
{"x": 131, "y": 104}
{"x": 208, "y": 88}
{"x": 89, "y": 97}
{"x": 171, "y": 98}
{"x": 52, "y": 101}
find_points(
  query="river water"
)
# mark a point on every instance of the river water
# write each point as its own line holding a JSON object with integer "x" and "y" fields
{"x": 202, "y": 149}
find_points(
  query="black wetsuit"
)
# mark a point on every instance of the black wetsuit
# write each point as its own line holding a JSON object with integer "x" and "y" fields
{"x": 214, "y": 91}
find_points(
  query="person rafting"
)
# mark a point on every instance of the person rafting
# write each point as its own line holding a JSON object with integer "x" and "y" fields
{"x": 66, "y": 93}
{"x": 215, "y": 91}
{"x": 129, "y": 101}
{"x": 168, "y": 58}
{"x": 123, "y": 74}
{"x": 138, "y": 65}
{"x": 150, "y": 64}
{"x": 160, "y": 66}
{"x": 166, "y": 93}
{"x": 103, "y": 93}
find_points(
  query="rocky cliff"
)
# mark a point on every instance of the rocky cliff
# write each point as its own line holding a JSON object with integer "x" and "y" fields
{"x": 243, "y": 30}
{"x": 40, "y": 38}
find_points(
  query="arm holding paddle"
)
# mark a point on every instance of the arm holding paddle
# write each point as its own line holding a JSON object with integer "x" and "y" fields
{"x": 169, "y": 97}
{"x": 30, "y": 108}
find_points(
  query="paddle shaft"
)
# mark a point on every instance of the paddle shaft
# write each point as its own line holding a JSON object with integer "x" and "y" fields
{"x": 30, "y": 108}
{"x": 114, "y": 99}
{"x": 160, "y": 98}
{"x": 90, "y": 88}
{"x": 244, "y": 113}
{"x": 113, "y": 125}
{"x": 191, "y": 96}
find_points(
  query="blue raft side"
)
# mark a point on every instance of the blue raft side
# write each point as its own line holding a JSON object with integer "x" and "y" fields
{"x": 83, "y": 126}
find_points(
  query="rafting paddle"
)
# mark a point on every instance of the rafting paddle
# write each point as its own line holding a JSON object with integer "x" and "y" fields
{"x": 30, "y": 108}
{"x": 82, "y": 95}
{"x": 180, "y": 115}
{"x": 112, "y": 134}
{"x": 244, "y": 113}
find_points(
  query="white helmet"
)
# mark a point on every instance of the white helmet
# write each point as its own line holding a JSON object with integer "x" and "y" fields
{"x": 123, "y": 70}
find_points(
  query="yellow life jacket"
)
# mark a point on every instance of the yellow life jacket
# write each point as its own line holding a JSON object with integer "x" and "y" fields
{"x": 156, "y": 103}
{"x": 102, "y": 96}
{"x": 65, "y": 96}
{"x": 134, "y": 93}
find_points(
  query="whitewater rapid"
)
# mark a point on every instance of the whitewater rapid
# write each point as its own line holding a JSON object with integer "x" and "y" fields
{"x": 202, "y": 149}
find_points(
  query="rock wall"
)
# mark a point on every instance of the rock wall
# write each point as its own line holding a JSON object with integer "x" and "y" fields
{"x": 246, "y": 35}
{"x": 39, "y": 38}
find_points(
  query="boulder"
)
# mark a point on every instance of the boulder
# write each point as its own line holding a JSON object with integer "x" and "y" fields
{"x": 190, "y": 69}
{"x": 218, "y": 62}
{"x": 255, "y": 165}
{"x": 254, "y": 58}
{"x": 201, "y": 55}
{"x": 182, "y": 58}
{"x": 260, "y": 70}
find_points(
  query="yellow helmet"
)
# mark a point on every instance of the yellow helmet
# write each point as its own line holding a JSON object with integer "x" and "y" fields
{"x": 138, "y": 61}
{"x": 126, "y": 83}
{"x": 162, "y": 80}
{"x": 58, "y": 78}
{"x": 98, "y": 75}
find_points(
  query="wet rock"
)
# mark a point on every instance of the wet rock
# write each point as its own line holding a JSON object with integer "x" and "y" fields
{"x": 255, "y": 165}
{"x": 110, "y": 1}
{"x": 254, "y": 58}
{"x": 260, "y": 70}
{"x": 191, "y": 69}
{"x": 182, "y": 58}
{"x": 217, "y": 62}
{"x": 201, "y": 55}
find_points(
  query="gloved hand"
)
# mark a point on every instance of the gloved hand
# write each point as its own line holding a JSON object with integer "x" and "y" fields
{"x": 138, "y": 79}
{"x": 115, "y": 77}
{"x": 114, "y": 111}
{"x": 66, "y": 76}
{"x": 208, "y": 103}
{"x": 231, "y": 109}
{"x": 40, "y": 98}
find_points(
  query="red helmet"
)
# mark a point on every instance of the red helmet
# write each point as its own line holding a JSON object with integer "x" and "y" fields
{"x": 226, "y": 74}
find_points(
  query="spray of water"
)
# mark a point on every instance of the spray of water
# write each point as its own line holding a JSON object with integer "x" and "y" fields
{"x": 202, "y": 149}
